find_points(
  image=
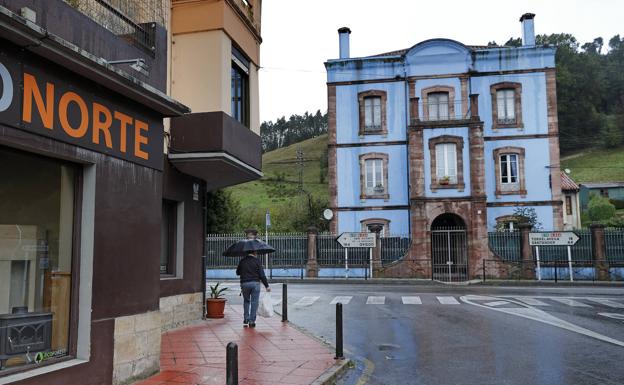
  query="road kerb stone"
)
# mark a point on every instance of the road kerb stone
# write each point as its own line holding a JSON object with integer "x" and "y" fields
{"x": 331, "y": 374}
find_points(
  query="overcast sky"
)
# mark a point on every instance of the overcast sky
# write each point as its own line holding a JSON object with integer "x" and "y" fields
{"x": 299, "y": 36}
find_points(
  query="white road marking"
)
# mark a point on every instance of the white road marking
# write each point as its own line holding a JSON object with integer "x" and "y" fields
{"x": 376, "y": 300}
{"x": 532, "y": 301}
{"x": 447, "y": 300}
{"x": 307, "y": 301}
{"x": 496, "y": 303}
{"x": 411, "y": 300}
{"x": 480, "y": 298}
{"x": 343, "y": 299}
{"x": 607, "y": 302}
{"x": 570, "y": 302}
{"x": 613, "y": 315}
{"x": 541, "y": 316}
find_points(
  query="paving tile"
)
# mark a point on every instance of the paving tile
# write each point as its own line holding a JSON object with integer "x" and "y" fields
{"x": 273, "y": 353}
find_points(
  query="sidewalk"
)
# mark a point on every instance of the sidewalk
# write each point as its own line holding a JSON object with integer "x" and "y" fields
{"x": 273, "y": 353}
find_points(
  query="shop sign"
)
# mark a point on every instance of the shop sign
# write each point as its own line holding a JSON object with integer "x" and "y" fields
{"x": 40, "y": 97}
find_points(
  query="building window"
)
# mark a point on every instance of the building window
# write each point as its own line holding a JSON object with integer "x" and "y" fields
{"x": 604, "y": 192}
{"x": 446, "y": 158}
{"x": 506, "y": 105}
{"x": 438, "y": 103}
{"x": 171, "y": 238}
{"x": 367, "y": 224}
{"x": 446, "y": 163}
{"x": 509, "y": 223}
{"x": 568, "y": 204}
{"x": 240, "y": 87}
{"x": 372, "y": 114}
{"x": 37, "y": 274}
{"x": 372, "y": 106}
{"x": 509, "y": 169}
{"x": 374, "y": 176}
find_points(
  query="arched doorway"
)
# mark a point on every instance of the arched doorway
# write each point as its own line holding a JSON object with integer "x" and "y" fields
{"x": 449, "y": 252}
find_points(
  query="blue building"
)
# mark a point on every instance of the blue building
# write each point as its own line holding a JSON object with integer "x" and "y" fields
{"x": 443, "y": 141}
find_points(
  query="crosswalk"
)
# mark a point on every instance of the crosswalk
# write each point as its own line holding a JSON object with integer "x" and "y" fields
{"x": 494, "y": 301}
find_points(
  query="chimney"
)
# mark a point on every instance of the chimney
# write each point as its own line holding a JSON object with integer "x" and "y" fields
{"x": 343, "y": 42}
{"x": 528, "y": 29}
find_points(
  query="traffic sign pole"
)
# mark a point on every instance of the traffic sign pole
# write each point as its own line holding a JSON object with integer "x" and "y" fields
{"x": 539, "y": 269}
{"x": 346, "y": 262}
{"x": 570, "y": 264}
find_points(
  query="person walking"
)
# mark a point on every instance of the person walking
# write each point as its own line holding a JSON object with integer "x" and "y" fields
{"x": 251, "y": 274}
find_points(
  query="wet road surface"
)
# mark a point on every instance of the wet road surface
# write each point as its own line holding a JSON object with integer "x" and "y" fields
{"x": 402, "y": 334}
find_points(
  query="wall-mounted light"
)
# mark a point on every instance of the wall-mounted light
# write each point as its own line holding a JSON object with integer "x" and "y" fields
{"x": 138, "y": 65}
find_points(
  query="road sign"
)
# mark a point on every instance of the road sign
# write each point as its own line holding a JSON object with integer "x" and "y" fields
{"x": 553, "y": 238}
{"x": 356, "y": 240}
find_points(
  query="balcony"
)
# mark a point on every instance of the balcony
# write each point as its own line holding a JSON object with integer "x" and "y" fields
{"x": 216, "y": 148}
{"x": 443, "y": 113}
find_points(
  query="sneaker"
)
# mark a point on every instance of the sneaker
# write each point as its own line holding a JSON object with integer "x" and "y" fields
{"x": 252, "y": 324}
{"x": 245, "y": 323}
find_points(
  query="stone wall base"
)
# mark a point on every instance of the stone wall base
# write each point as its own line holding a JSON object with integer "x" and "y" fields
{"x": 136, "y": 347}
{"x": 180, "y": 310}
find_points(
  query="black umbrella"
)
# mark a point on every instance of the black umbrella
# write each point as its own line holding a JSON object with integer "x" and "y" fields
{"x": 247, "y": 246}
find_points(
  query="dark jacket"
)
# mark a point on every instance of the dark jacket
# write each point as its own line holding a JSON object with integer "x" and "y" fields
{"x": 250, "y": 269}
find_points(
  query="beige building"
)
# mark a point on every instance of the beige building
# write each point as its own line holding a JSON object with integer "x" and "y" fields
{"x": 215, "y": 56}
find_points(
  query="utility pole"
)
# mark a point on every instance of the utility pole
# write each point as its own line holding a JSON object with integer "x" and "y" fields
{"x": 300, "y": 164}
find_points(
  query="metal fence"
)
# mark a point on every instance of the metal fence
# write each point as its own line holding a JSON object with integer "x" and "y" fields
{"x": 552, "y": 270}
{"x": 215, "y": 245}
{"x": 394, "y": 247}
{"x": 506, "y": 245}
{"x": 330, "y": 253}
{"x": 614, "y": 244}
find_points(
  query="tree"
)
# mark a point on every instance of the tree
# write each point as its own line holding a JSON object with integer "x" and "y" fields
{"x": 600, "y": 209}
{"x": 222, "y": 212}
{"x": 529, "y": 216}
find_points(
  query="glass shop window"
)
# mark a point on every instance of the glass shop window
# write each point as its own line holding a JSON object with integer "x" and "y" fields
{"x": 36, "y": 247}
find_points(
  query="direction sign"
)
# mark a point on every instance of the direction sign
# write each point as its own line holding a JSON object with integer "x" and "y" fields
{"x": 553, "y": 238}
{"x": 357, "y": 239}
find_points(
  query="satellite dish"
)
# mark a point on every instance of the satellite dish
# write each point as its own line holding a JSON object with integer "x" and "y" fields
{"x": 567, "y": 171}
{"x": 328, "y": 214}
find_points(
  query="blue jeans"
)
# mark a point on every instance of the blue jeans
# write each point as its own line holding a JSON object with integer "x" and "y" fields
{"x": 251, "y": 299}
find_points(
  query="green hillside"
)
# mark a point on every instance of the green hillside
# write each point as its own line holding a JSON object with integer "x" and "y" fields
{"x": 598, "y": 165}
{"x": 279, "y": 189}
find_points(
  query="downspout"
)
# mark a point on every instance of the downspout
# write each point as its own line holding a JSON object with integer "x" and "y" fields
{"x": 204, "y": 248}
{"x": 407, "y": 121}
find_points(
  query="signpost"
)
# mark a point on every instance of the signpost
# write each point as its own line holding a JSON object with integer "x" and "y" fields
{"x": 353, "y": 240}
{"x": 553, "y": 238}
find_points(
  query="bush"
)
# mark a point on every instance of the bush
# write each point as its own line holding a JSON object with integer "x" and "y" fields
{"x": 618, "y": 203}
{"x": 600, "y": 209}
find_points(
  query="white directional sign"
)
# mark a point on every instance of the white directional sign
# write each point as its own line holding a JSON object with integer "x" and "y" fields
{"x": 357, "y": 239}
{"x": 553, "y": 238}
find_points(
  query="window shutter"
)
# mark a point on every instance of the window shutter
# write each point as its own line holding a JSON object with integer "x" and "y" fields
{"x": 451, "y": 162}
{"x": 368, "y": 112}
{"x": 377, "y": 112}
{"x": 443, "y": 101}
{"x": 378, "y": 173}
{"x": 440, "y": 161}
{"x": 369, "y": 173}
{"x": 513, "y": 161}
{"x": 511, "y": 108}
{"x": 500, "y": 104}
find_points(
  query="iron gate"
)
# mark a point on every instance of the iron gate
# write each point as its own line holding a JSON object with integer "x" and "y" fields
{"x": 449, "y": 254}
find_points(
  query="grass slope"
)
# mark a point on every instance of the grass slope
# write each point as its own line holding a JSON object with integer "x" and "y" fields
{"x": 281, "y": 177}
{"x": 598, "y": 165}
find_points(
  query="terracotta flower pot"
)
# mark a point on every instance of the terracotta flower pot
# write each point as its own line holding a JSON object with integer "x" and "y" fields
{"x": 215, "y": 307}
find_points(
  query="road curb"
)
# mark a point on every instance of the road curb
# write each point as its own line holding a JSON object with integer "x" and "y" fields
{"x": 331, "y": 374}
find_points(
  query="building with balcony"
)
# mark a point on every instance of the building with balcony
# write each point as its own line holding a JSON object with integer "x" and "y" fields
{"x": 103, "y": 175}
{"x": 443, "y": 141}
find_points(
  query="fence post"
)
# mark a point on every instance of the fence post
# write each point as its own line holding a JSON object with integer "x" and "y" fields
{"x": 284, "y": 302}
{"x": 376, "y": 250}
{"x": 231, "y": 364}
{"x": 528, "y": 272}
{"x": 312, "y": 264}
{"x": 483, "y": 269}
{"x": 599, "y": 250}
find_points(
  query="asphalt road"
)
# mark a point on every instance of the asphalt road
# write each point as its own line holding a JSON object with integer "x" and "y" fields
{"x": 407, "y": 334}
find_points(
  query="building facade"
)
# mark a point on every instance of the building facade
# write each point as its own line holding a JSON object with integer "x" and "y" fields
{"x": 571, "y": 203}
{"x": 103, "y": 179}
{"x": 443, "y": 141}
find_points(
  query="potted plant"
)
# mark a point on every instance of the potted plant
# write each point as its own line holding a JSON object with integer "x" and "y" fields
{"x": 445, "y": 180}
{"x": 215, "y": 305}
{"x": 379, "y": 189}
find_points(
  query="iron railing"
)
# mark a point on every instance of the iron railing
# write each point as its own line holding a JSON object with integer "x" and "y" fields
{"x": 614, "y": 244}
{"x": 554, "y": 270}
{"x": 506, "y": 244}
{"x": 580, "y": 251}
{"x": 394, "y": 247}
{"x": 457, "y": 109}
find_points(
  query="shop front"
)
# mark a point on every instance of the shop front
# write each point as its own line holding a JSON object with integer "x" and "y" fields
{"x": 81, "y": 176}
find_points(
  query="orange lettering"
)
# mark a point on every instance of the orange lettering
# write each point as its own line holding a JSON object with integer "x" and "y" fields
{"x": 124, "y": 120}
{"x": 84, "y": 115}
{"x": 139, "y": 139}
{"x": 31, "y": 90}
{"x": 103, "y": 126}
